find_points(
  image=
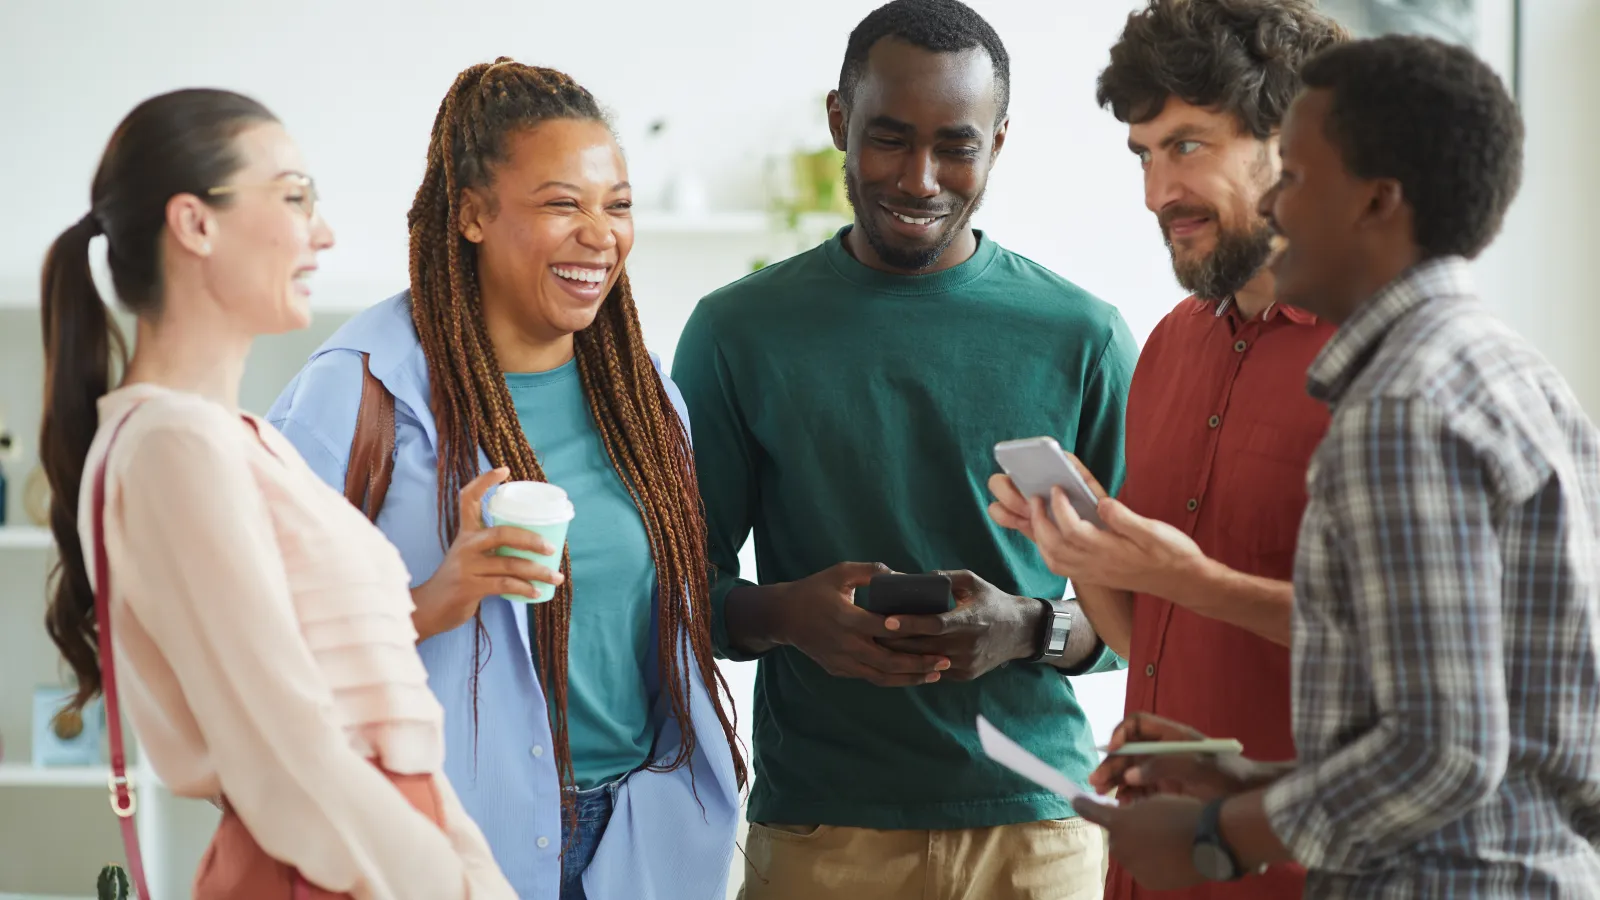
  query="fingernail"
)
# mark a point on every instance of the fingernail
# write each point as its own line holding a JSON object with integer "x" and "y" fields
{"x": 942, "y": 665}
{"x": 892, "y": 624}
{"x": 1134, "y": 776}
{"x": 932, "y": 677}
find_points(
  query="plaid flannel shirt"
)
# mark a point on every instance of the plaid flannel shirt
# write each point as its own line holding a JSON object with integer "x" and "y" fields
{"x": 1446, "y": 655}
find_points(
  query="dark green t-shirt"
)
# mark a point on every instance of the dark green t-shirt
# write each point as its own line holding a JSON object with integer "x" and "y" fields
{"x": 845, "y": 413}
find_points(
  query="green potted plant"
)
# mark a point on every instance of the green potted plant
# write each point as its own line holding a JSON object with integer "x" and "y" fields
{"x": 112, "y": 884}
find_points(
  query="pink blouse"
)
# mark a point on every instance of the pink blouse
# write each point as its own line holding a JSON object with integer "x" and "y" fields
{"x": 265, "y": 650}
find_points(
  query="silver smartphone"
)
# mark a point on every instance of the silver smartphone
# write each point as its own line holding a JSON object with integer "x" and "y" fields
{"x": 1038, "y": 464}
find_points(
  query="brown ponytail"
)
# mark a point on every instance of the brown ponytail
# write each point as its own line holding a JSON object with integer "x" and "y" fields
{"x": 175, "y": 143}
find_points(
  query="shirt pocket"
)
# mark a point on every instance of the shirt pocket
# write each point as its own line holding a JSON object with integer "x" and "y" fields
{"x": 1266, "y": 494}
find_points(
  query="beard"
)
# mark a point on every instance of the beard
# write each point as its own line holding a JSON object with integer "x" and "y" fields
{"x": 1237, "y": 258}
{"x": 912, "y": 258}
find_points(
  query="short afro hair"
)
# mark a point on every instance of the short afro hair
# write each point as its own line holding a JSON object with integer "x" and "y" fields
{"x": 943, "y": 26}
{"x": 1435, "y": 118}
{"x": 1237, "y": 56}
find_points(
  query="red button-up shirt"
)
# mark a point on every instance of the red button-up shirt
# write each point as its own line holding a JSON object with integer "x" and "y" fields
{"x": 1220, "y": 432}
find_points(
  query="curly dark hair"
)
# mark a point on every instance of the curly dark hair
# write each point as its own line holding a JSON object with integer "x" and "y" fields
{"x": 1435, "y": 118}
{"x": 943, "y": 26}
{"x": 1238, "y": 56}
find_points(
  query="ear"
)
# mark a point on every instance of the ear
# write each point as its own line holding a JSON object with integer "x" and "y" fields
{"x": 193, "y": 223}
{"x": 999, "y": 139}
{"x": 1385, "y": 204}
{"x": 838, "y": 120}
{"x": 474, "y": 210}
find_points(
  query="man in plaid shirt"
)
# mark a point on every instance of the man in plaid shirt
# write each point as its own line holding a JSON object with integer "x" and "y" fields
{"x": 1446, "y": 643}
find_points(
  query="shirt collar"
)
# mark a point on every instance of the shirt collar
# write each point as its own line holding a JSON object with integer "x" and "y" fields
{"x": 1347, "y": 352}
{"x": 1292, "y": 314}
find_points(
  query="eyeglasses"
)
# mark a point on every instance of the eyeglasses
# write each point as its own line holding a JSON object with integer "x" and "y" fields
{"x": 302, "y": 193}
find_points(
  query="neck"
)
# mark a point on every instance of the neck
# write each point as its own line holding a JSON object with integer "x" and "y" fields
{"x": 520, "y": 346}
{"x": 1257, "y": 295}
{"x": 1386, "y": 265}
{"x": 191, "y": 348}
{"x": 959, "y": 251}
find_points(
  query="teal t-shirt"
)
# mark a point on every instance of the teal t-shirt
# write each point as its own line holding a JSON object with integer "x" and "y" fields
{"x": 613, "y": 579}
{"x": 842, "y": 413}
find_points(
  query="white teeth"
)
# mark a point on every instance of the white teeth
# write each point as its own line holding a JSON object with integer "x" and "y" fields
{"x": 910, "y": 221}
{"x": 592, "y": 276}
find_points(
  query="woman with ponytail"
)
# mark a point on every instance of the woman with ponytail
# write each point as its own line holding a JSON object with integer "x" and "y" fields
{"x": 591, "y": 736}
{"x": 259, "y": 627}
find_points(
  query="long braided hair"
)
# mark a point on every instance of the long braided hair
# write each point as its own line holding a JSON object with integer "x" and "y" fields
{"x": 472, "y": 406}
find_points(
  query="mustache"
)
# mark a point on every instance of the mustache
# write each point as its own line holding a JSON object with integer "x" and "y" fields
{"x": 1172, "y": 213}
{"x": 922, "y": 206}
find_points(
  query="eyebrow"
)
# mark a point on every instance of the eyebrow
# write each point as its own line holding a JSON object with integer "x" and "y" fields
{"x": 572, "y": 187}
{"x": 1181, "y": 133}
{"x": 948, "y": 133}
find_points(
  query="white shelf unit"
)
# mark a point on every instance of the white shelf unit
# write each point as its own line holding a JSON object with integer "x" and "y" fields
{"x": 28, "y": 775}
{"x": 25, "y": 537}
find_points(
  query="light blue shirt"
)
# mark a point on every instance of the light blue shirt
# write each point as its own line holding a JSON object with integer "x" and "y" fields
{"x": 609, "y": 723}
{"x": 671, "y": 836}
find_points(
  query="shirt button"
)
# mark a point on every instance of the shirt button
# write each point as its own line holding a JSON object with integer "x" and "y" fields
{"x": 1214, "y": 421}
{"x": 1193, "y": 504}
{"x": 543, "y": 842}
{"x": 537, "y": 751}
{"x": 1238, "y": 346}
{"x": 1150, "y": 670}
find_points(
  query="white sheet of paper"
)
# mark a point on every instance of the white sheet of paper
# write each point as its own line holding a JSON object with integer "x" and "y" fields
{"x": 1010, "y": 754}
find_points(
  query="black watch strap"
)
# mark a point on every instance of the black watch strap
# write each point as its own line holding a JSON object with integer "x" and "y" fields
{"x": 1053, "y": 630}
{"x": 1213, "y": 858}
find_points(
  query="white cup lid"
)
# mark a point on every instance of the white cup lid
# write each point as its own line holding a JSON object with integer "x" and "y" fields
{"x": 531, "y": 503}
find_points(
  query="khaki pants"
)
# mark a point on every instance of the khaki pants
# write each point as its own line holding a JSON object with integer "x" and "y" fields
{"x": 1053, "y": 860}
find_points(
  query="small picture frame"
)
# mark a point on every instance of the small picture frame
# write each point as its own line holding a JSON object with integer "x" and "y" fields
{"x": 71, "y": 740}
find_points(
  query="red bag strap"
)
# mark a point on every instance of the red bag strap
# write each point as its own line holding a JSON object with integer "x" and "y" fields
{"x": 123, "y": 799}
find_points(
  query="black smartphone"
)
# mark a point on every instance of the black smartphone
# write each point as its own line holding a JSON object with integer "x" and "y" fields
{"x": 907, "y": 595}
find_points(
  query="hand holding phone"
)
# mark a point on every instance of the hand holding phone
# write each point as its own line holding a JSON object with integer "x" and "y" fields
{"x": 907, "y": 595}
{"x": 1036, "y": 465}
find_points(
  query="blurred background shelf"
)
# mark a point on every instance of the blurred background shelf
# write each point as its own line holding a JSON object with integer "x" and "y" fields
{"x": 25, "y": 537}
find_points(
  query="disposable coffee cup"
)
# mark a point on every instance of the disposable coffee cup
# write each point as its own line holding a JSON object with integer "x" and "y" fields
{"x": 542, "y": 509}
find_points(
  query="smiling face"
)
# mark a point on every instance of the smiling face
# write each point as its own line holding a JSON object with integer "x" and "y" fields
{"x": 553, "y": 229}
{"x": 267, "y": 234}
{"x": 1204, "y": 177}
{"x": 1320, "y": 210}
{"x": 919, "y": 138}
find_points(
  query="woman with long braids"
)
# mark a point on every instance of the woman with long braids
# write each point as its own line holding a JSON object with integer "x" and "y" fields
{"x": 590, "y": 736}
{"x": 258, "y": 625}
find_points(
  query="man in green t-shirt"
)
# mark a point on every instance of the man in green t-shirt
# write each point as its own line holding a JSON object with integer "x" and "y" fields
{"x": 845, "y": 405}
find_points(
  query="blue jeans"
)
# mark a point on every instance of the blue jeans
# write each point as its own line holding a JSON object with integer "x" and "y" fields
{"x": 594, "y": 813}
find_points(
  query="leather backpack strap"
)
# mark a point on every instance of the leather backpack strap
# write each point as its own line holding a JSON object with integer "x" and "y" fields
{"x": 366, "y": 480}
{"x": 123, "y": 801}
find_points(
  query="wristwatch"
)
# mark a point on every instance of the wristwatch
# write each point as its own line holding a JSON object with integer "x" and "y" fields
{"x": 1212, "y": 856}
{"x": 1053, "y": 633}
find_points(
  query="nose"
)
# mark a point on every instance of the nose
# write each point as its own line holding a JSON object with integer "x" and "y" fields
{"x": 321, "y": 233}
{"x": 920, "y": 176}
{"x": 1268, "y": 201}
{"x": 597, "y": 232}
{"x": 1161, "y": 186}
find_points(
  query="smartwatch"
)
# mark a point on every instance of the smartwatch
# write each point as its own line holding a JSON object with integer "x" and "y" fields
{"x": 1212, "y": 856}
{"x": 1053, "y": 633}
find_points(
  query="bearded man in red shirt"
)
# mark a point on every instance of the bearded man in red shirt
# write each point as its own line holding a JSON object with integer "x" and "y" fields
{"x": 1191, "y": 580}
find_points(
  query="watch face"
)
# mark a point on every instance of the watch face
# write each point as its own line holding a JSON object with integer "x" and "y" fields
{"x": 1213, "y": 862}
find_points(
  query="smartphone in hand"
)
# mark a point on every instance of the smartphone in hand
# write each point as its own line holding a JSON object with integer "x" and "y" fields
{"x": 907, "y": 595}
{"x": 1038, "y": 464}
